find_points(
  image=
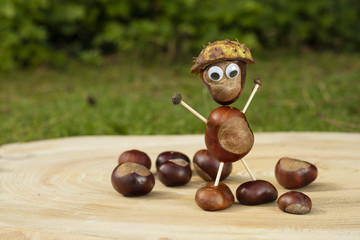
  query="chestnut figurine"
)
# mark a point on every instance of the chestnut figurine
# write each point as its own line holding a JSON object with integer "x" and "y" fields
{"x": 222, "y": 68}
{"x": 206, "y": 166}
{"x": 256, "y": 192}
{"x": 174, "y": 172}
{"x": 213, "y": 198}
{"x": 135, "y": 156}
{"x": 294, "y": 173}
{"x": 168, "y": 155}
{"x": 294, "y": 202}
{"x": 132, "y": 179}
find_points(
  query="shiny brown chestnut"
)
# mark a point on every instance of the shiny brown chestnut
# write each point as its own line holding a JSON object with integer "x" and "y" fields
{"x": 294, "y": 173}
{"x": 174, "y": 172}
{"x": 228, "y": 136}
{"x": 294, "y": 202}
{"x": 132, "y": 179}
{"x": 206, "y": 166}
{"x": 256, "y": 192}
{"x": 135, "y": 156}
{"x": 168, "y": 155}
{"x": 213, "y": 198}
{"x": 230, "y": 88}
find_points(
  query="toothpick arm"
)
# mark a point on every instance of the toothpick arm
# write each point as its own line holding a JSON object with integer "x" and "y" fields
{"x": 257, "y": 86}
{"x": 176, "y": 99}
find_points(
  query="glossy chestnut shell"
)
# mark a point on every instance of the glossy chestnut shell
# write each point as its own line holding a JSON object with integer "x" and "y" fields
{"x": 135, "y": 156}
{"x": 213, "y": 198}
{"x": 294, "y": 173}
{"x": 175, "y": 172}
{"x": 294, "y": 202}
{"x": 256, "y": 192}
{"x": 206, "y": 166}
{"x": 228, "y": 136}
{"x": 132, "y": 179}
{"x": 168, "y": 155}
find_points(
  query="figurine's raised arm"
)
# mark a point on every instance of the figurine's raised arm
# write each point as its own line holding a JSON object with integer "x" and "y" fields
{"x": 257, "y": 86}
{"x": 176, "y": 99}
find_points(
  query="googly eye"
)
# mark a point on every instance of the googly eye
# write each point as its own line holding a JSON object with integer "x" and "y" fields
{"x": 215, "y": 73}
{"x": 232, "y": 70}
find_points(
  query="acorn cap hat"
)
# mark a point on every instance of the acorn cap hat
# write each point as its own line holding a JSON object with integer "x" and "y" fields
{"x": 218, "y": 51}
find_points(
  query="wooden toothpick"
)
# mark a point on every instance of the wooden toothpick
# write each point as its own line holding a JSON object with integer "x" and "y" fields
{"x": 218, "y": 175}
{"x": 257, "y": 86}
{"x": 177, "y": 99}
{"x": 248, "y": 169}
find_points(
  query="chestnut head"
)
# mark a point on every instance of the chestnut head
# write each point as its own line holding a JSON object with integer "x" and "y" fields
{"x": 225, "y": 80}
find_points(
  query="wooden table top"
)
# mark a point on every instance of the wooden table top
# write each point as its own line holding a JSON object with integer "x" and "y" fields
{"x": 61, "y": 189}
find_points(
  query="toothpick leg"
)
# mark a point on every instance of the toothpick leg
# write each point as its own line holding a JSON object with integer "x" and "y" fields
{"x": 218, "y": 175}
{"x": 248, "y": 169}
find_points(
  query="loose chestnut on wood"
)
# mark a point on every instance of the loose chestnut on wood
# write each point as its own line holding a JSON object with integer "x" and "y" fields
{"x": 256, "y": 192}
{"x": 293, "y": 173}
{"x": 135, "y": 156}
{"x": 294, "y": 202}
{"x": 213, "y": 198}
{"x": 168, "y": 155}
{"x": 132, "y": 179}
{"x": 175, "y": 172}
{"x": 228, "y": 136}
{"x": 206, "y": 166}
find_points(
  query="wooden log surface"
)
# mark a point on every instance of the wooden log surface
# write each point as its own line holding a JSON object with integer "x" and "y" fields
{"x": 61, "y": 189}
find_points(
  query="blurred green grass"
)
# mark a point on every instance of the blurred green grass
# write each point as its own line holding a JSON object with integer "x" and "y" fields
{"x": 301, "y": 92}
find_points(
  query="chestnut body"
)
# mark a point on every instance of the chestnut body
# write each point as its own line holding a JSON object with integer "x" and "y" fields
{"x": 256, "y": 192}
{"x": 228, "y": 136}
{"x": 293, "y": 173}
{"x": 132, "y": 179}
{"x": 135, "y": 156}
{"x": 294, "y": 202}
{"x": 213, "y": 198}
{"x": 206, "y": 166}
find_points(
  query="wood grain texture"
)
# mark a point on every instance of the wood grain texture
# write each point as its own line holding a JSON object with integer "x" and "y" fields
{"x": 61, "y": 189}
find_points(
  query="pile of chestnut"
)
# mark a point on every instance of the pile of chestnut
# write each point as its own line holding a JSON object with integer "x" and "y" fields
{"x": 291, "y": 174}
{"x": 132, "y": 177}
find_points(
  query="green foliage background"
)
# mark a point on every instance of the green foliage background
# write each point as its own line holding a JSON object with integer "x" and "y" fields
{"x": 35, "y": 32}
{"x": 140, "y": 54}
